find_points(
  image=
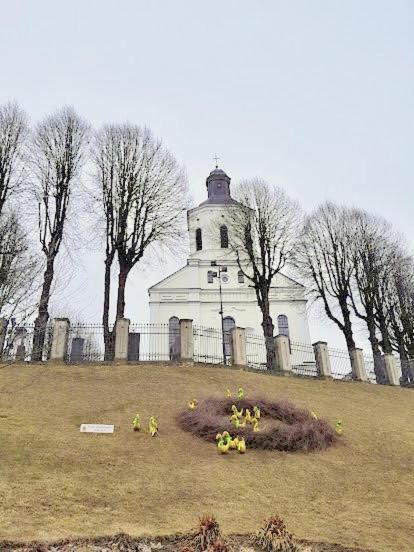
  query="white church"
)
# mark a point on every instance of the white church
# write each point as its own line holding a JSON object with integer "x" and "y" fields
{"x": 194, "y": 292}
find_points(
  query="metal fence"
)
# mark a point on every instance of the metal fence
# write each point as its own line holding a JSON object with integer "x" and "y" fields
{"x": 153, "y": 342}
{"x": 18, "y": 343}
{"x": 86, "y": 343}
{"x": 256, "y": 351}
{"x": 302, "y": 359}
{"x": 340, "y": 364}
{"x": 208, "y": 346}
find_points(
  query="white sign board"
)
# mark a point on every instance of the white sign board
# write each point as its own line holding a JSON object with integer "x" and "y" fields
{"x": 96, "y": 428}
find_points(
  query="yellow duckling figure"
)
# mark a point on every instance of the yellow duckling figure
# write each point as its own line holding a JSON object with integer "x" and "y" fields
{"x": 255, "y": 424}
{"x": 235, "y": 420}
{"x": 241, "y": 447}
{"x": 338, "y": 427}
{"x": 223, "y": 446}
{"x": 314, "y": 416}
{"x": 153, "y": 426}
{"x": 228, "y": 393}
{"x": 136, "y": 423}
{"x": 248, "y": 417}
{"x": 240, "y": 393}
{"x": 256, "y": 412}
{"x": 235, "y": 443}
{"x": 192, "y": 405}
{"x": 238, "y": 413}
{"x": 226, "y": 436}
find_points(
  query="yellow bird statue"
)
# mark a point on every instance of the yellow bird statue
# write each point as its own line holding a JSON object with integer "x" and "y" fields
{"x": 256, "y": 412}
{"x": 238, "y": 413}
{"x": 241, "y": 447}
{"x": 235, "y": 443}
{"x": 153, "y": 426}
{"x": 223, "y": 446}
{"x": 136, "y": 423}
{"x": 338, "y": 427}
{"x": 248, "y": 417}
{"x": 192, "y": 405}
{"x": 255, "y": 424}
{"x": 240, "y": 393}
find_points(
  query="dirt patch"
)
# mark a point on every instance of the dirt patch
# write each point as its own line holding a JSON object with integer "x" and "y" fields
{"x": 284, "y": 426}
{"x": 175, "y": 543}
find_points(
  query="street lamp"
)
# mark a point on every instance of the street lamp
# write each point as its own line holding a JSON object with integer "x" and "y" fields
{"x": 221, "y": 269}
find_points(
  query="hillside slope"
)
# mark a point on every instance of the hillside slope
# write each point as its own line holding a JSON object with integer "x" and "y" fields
{"x": 57, "y": 482}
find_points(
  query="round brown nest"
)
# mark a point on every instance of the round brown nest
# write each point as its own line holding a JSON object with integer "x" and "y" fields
{"x": 283, "y": 426}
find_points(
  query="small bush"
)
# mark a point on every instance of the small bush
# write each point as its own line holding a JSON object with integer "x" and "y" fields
{"x": 273, "y": 536}
{"x": 208, "y": 532}
{"x": 218, "y": 546}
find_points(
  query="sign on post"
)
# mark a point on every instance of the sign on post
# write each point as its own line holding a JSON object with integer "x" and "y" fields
{"x": 96, "y": 428}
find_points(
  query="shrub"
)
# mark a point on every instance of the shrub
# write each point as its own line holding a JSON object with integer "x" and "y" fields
{"x": 295, "y": 428}
{"x": 218, "y": 546}
{"x": 273, "y": 536}
{"x": 208, "y": 532}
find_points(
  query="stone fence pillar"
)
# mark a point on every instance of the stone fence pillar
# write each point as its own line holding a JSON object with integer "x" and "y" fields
{"x": 121, "y": 339}
{"x": 59, "y": 339}
{"x": 358, "y": 365}
{"x": 186, "y": 340}
{"x": 323, "y": 362}
{"x": 282, "y": 355}
{"x": 3, "y": 332}
{"x": 391, "y": 369}
{"x": 238, "y": 347}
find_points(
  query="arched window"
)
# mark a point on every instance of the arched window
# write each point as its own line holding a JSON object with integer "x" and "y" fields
{"x": 199, "y": 240}
{"x": 283, "y": 325}
{"x": 228, "y": 324}
{"x": 240, "y": 277}
{"x": 174, "y": 337}
{"x": 224, "y": 236}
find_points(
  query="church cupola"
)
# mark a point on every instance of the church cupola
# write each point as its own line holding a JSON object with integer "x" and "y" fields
{"x": 218, "y": 187}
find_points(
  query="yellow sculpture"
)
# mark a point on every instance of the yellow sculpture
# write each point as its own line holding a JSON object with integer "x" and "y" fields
{"x": 255, "y": 424}
{"x": 153, "y": 426}
{"x": 241, "y": 447}
{"x": 248, "y": 417}
{"x": 240, "y": 393}
{"x": 224, "y": 442}
{"x": 338, "y": 427}
{"x": 238, "y": 413}
{"x": 136, "y": 423}
{"x": 192, "y": 405}
{"x": 256, "y": 412}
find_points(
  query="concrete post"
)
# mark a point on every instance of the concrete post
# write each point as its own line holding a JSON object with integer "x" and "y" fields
{"x": 391, "y": 369}
{"x": 238, "y": 347}
{"x": 358, "y": 365}
{"x": 3, "y": 332}
{"x": 282, "y": 355}
{"x": 186, "y": 339}
{"x": 121, "y": 339}
{"x": 323, "y": 362}
{"x": 59, "y": 339}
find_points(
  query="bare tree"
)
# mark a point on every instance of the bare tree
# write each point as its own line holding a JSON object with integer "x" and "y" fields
{"x": 144, "y": 194}
{"x": 263, "y": 227}
{"x": 374, "y": 251}
{"x": 324, "y": 258}
{"x": 13, "y": 129}
{"x": 19, "y": 267}
{"x": 56, "y": 157}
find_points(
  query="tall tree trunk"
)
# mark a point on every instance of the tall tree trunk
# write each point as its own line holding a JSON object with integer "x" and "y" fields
{"x": 385, "y": 339}
{"x": 43, "y": 312}
{"x": 347, "y": 329}
{"x": 379, "y": 367}
{"x": 122, "y": 279}
{"x": 405, "y": 361}
{"x": 268, "y": 329}
{"x": 108, "y": 335}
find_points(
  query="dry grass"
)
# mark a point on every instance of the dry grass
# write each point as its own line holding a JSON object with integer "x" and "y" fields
{"x": 56, "y": 482}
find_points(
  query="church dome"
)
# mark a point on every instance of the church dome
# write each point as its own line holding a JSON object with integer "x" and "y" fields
{"x": 218, "y": 187}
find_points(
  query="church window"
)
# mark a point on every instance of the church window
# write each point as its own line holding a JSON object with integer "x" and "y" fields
{"x": 199, "y": 240}
{"x": 224, "y": 236}
{"x": 228, "y": 324}
{"x": 283, "y": 325}
{"x": 174, "y": 337}
{"x": 210, "y": 276}
{"x": 240, "y": 277}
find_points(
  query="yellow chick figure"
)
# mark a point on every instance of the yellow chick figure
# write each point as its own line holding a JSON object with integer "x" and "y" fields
{"x": 153, "y": 426}
{"x": 338, "y": 427}
{"x": 256, "y": 412}
{"x": 238, "y": 413}
{"x": 241, "y": 447}
{"x": 192, "y": 405}
{"x": 248, "y": 417}
{"x": 255, "y": 424}
{"x": 240, "y": 393}
{"x": 235, "y": 443}
{"x": 136, "y": 423}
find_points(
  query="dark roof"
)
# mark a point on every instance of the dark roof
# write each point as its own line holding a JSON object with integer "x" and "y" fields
{"x": 218, "y": 188}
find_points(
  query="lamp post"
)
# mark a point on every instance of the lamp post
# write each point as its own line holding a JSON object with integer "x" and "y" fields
{"x": 218, "y": 274}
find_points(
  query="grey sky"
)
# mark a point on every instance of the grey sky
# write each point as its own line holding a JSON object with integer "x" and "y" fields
{"x": 316, "y": 96}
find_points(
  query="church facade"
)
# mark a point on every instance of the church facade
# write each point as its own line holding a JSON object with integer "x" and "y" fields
{"x": 193, "y": 291}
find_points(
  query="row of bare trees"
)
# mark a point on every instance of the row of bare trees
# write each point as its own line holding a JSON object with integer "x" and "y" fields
{"x": 350, "y": 261}
{"x": 138, "y": 186}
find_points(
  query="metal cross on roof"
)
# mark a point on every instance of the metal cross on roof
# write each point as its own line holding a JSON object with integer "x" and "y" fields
{"x": 216, "y": 158}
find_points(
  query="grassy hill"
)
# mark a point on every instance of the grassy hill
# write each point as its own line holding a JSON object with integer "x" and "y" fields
{"x": 56, "y": 482}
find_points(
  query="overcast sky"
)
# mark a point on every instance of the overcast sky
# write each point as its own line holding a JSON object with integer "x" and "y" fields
{"x": 316, "y": 96}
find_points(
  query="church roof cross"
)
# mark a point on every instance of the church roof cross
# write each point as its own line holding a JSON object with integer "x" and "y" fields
{"x": 216, "y": 158}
